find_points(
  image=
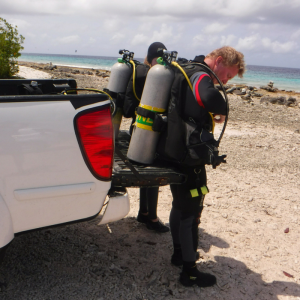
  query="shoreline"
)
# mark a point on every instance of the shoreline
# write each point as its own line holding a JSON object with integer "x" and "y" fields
{"x": 46, "y": 66}
{"x": 65, "y": 65}
{"x": 79, "y": 74}
{"x": 250, "y": 79}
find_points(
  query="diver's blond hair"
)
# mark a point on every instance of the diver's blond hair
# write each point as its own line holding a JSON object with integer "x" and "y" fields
{"x": 146, "y": 62}
{"x": 231, "y": 57}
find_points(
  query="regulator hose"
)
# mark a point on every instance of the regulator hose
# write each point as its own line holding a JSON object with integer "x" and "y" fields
{"x": 133, "y": 80}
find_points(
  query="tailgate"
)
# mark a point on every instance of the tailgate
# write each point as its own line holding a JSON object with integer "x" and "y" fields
{"x": 158, "y": 174}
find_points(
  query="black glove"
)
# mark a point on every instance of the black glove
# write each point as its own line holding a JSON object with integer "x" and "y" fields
{"x": 216, "y": 160}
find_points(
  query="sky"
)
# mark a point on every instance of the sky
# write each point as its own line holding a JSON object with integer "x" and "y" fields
{"x": 267, "y": 32}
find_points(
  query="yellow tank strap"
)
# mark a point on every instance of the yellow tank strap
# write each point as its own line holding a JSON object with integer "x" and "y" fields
{"x": 152, "y": 108}
{"x": 174, "y": 63}
{"x": 133, "y": 79}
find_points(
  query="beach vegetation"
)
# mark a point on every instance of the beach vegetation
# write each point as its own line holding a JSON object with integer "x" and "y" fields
{"x": 10, "y": 47}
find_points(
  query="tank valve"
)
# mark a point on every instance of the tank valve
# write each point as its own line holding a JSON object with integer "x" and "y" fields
{"x": 169, "y": 56}
{"x": 127, "y": 55}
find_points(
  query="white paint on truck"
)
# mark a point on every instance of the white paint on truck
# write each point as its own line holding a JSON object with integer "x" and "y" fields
{"x": 40, "y": 156}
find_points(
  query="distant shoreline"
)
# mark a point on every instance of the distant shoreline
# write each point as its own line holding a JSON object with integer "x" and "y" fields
{"x": 34, "y": 64}
{"x": 284, "y": 78}
{"x": 73, "y": 71}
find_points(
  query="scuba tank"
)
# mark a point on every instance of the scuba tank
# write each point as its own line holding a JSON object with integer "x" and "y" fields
{"x": 154, "y": 101}
{"x": 118, "y": 81}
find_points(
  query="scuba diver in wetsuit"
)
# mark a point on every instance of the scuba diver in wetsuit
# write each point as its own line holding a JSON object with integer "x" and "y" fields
{"x": 148, "y": 196}
{"x": 198, "y": 105}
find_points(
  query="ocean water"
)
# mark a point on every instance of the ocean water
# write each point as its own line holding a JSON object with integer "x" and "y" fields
{"x": 283, "y": 78}
{"x": 95, "y": 62}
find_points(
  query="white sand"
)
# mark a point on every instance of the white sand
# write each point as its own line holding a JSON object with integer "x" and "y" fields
{"x": 30, "y": 73}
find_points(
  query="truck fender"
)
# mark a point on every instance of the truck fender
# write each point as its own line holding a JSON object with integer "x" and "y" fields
{"x": 6, "y": 224}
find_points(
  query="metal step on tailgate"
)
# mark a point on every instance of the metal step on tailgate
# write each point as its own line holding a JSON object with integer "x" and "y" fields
{"x": 158, "y": 174}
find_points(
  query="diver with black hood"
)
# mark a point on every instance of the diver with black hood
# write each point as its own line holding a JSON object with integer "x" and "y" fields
{"x": 148, "y": 196}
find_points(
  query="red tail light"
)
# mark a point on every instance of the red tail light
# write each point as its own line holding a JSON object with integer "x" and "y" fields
{"x": 95, "y": 135}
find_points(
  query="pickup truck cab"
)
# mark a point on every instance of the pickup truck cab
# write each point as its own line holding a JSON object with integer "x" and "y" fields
{"x": 57, "y": 158}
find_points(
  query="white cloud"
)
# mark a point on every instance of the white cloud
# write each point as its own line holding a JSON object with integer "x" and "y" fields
{"x": 145, "y": 27}
{"x": 296, "y": 34}
{"x": 204, "y": 41}
{"x": 20, "y": 23}
{"x": 215, "y": 28}
{"x": 254, "y": 26}
{"x": 247, "y": 43}
{"x": 112, "y": 25}
{"x": 44, "y": 36}
{"x": 277, "y": 47}
{"x": 198, "y": 39}
{"x": 69, "y": 39}
{"x": 258, "y": 43}
{"x": 261, "y": 29}
{"x": 31, "y": 35}
{"x": 164, "y": 34}
{"x": 228, "y": 40}
{"x": 238, "y": 10}
{"x": 118, "y": 37}
{"x": 140, "y": 39}
{"x": 261, "y": 18}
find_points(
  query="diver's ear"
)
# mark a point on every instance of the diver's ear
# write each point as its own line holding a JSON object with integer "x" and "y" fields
{"x": 218, "y": 60}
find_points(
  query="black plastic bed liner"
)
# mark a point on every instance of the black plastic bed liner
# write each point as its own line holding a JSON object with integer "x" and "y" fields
{"x": 13, "y": 87}
{"x": 158, "y": 174}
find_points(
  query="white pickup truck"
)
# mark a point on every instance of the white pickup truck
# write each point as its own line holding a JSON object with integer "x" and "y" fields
{"x": 57, "y": 161}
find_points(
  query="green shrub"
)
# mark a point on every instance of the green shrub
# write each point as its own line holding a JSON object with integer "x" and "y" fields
{"x": 10, "y": 47}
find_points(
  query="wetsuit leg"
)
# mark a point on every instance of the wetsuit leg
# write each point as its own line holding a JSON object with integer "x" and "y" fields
{"x": 175, "y": 216}
{"x": 143, "y": 201}
{"x": 152, "y": 196}
{"x": 188, "y": 234}
{"x": 190, "y": 207}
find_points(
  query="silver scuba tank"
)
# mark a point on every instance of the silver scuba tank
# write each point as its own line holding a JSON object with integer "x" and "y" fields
{"x": 118, "y": 81}
{"x": 119, "y": 77}
{"x": 155, "y": 97}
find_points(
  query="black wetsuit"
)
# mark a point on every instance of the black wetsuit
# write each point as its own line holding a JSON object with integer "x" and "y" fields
{"x": 188, "y": 200}
{"x": 148, "y": 196}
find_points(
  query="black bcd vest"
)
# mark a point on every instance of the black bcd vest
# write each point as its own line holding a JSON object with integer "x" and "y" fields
{"x": 186, "y": 141}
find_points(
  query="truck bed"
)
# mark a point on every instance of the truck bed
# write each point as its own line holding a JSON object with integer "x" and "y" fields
{"x": 158, "y": 174}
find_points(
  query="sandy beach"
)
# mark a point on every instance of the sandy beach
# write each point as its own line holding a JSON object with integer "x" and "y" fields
{"x": 248, "y": 237}
{"x": 29, "y": 73}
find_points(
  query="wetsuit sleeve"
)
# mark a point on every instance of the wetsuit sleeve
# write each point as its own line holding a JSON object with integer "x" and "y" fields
{"x": 206, "y": 95}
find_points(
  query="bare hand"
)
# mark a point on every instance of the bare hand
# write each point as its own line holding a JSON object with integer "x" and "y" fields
{"x": 219, "y": 118}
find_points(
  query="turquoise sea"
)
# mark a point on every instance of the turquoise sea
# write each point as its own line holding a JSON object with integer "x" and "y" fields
{"x": 283, "y": 78}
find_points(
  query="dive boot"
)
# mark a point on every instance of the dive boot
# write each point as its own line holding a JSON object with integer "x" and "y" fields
{"x": 191, "y": 276}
